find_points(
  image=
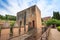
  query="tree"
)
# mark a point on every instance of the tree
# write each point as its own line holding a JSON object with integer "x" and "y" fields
{"x": 8, "y": 17}
{"x": 0, "y": 16}
{"x": 56, "y": 15}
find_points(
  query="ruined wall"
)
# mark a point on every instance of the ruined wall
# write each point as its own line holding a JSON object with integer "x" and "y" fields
{"x": 33, "y": 18}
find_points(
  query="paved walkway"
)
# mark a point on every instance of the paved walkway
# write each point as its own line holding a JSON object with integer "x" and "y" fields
{"x": 24, "y": 36}
{"x": 21, "y": 37}
{"x": 54, "y": 34}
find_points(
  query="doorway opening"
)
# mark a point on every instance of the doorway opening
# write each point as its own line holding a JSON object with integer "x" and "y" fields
{"x": 33, "y": 22}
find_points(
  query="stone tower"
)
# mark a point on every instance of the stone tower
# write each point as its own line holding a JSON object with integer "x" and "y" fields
{"x": 30, "y": 17}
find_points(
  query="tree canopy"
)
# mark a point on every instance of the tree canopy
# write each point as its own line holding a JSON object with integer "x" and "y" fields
{"x": 7, "y": 17}
{"x": 56, "y": 15}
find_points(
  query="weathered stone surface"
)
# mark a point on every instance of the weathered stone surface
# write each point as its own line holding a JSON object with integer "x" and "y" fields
{"x": 30, "y": 17}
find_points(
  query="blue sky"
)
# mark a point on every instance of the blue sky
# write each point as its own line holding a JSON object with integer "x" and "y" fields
{"x": 11, "y": 7}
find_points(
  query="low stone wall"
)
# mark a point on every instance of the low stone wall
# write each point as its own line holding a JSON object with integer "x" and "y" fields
{"x": 5, "y": 33}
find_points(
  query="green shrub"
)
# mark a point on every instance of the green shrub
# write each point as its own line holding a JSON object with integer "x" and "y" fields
{"x": 11, "y": 27}
{"x": 58, "y": 23}
{"x": 53, "y": 21}
{"x": 12, "y": 23}
{"x": 50, "y": 22}
{"x": 43, "y": 23}
{"x": 58, "y": 28}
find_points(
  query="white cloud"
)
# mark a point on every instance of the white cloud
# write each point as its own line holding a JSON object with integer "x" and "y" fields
{"x": 18, "y": 5}
{"x": 47, "y": 10}
{"x": 3, "y": 12}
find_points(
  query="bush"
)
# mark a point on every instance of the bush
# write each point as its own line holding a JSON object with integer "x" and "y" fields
{"x": 50, "y": 22}
{"x": 58, "y": 23}
{"x": 11, "y": 27}
{"x": 12, "y": 23}
{"x": 43, "y": 23}
{"x": 58, "y": 28}
{"x": 53, "y": 21}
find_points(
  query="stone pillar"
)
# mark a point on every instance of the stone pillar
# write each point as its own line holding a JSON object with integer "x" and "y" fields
{"x": 25, "y": 22}
{"x": 26, "y": 27}
{"x": 19, "y": 23}
{"x": 19, "y": 30}
{"x": 22, "y": 30}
